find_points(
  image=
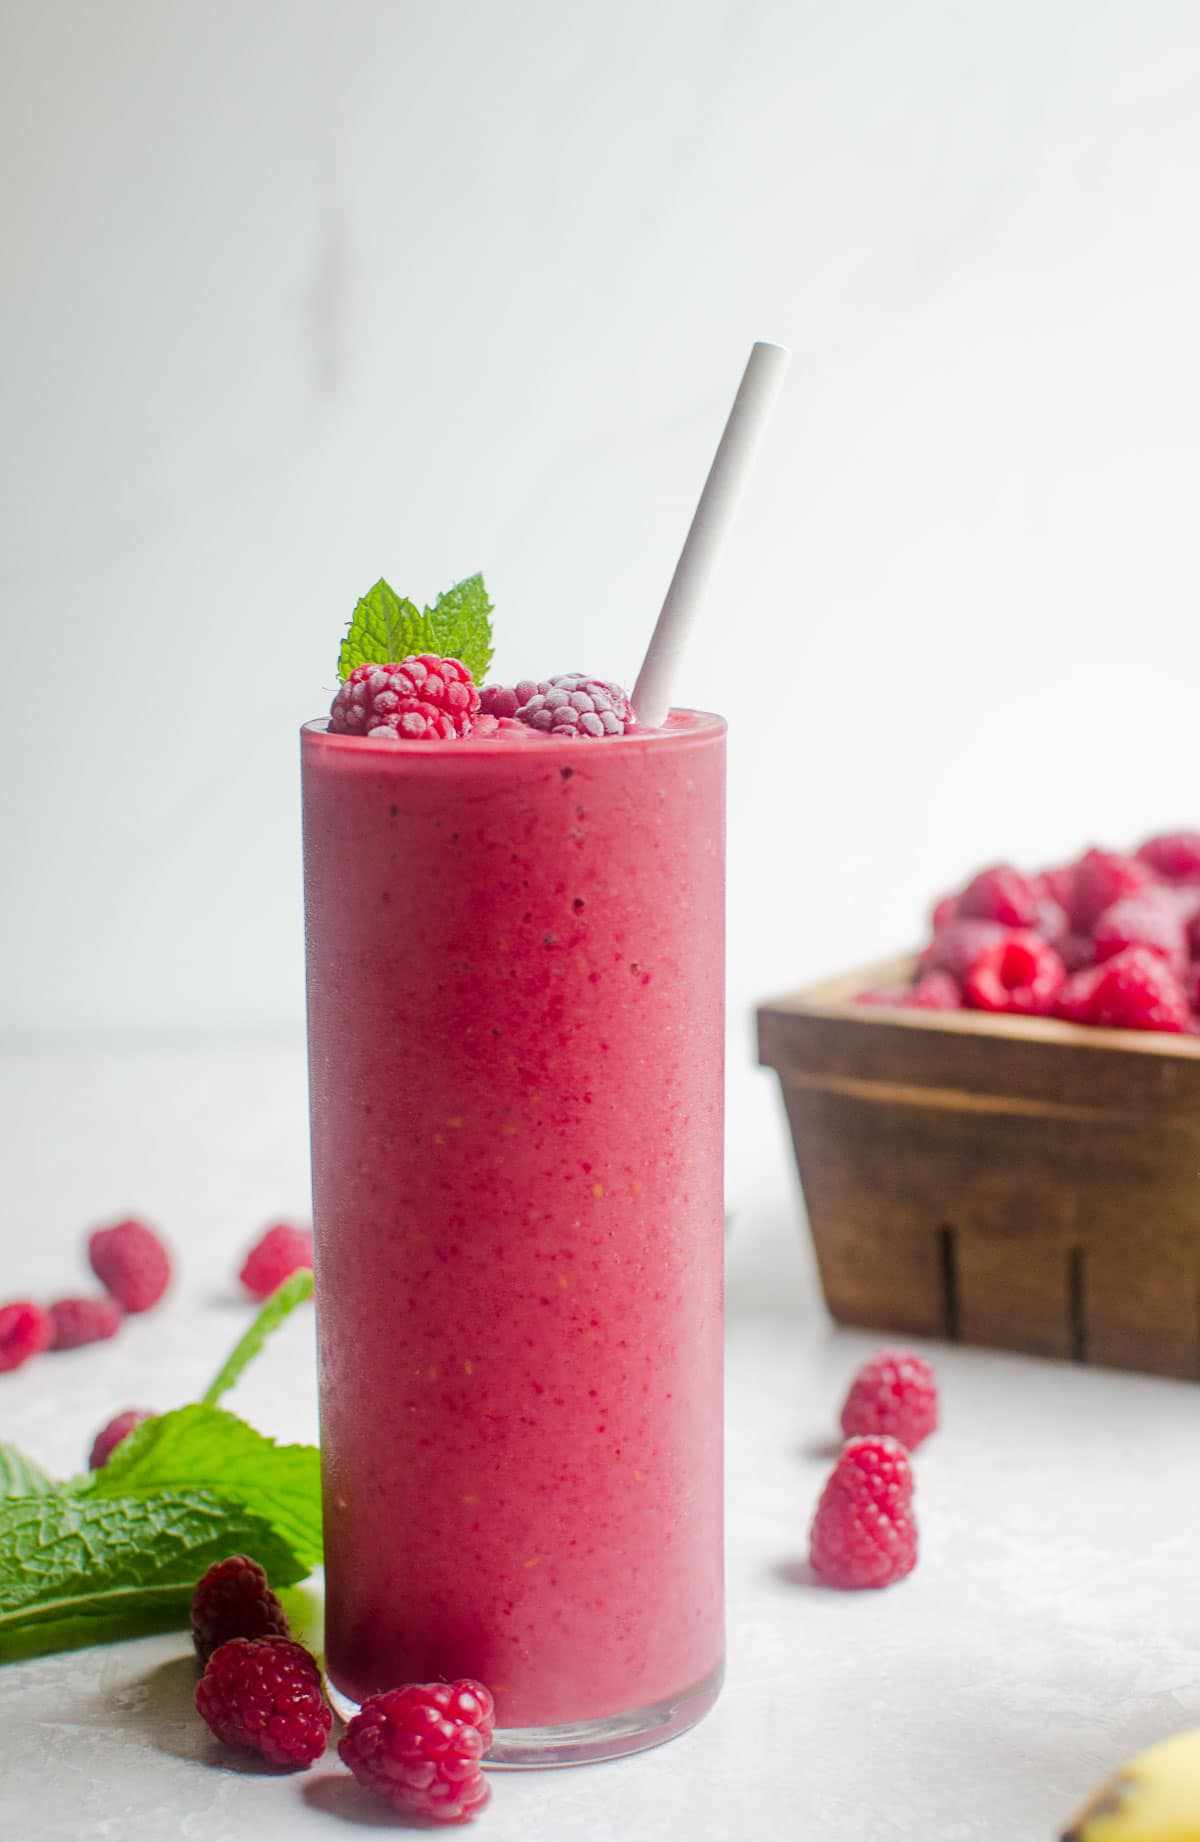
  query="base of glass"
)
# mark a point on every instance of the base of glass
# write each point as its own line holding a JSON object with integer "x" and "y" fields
{"x": 586, "y": 1742}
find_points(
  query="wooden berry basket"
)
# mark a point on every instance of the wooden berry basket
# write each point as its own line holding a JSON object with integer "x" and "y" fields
{"x": 997, "y": 1180}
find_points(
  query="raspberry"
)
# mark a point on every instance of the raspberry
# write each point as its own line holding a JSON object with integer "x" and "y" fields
{"x": 275, "y": 1256}
{"x": 954, "y": 949}
{"x": 266, "y": 1694}
{"x": 895, "y": 1394}
{"x": 25, "y": 1331}
{"x": 1149, "y": 918}
{"x": 419, "y": 699}
{"x": 502, "y": 699}
{"x": 863, "y": 1533}
{"x": 109, "y": 1437}
{"x": 232, "y": 1600}
{"x": 1175, "y": 855}
{"x": 1020, "y": 973}
{"x": 999, "y": 894}
{"x": 1098, "y": 880}
{"x": 1076, "y": 951}
{"x": 83, "y": 1320}
{"x": 1052, "y": 923}
{"x": 1135, "y": 990}
{"x": 1055, "y": 884}
{"x": 420, "y": 1748}
{"x": 131, "y": 1263}
{"x": 945, "y": 910}
{"x": 576, "y": 705}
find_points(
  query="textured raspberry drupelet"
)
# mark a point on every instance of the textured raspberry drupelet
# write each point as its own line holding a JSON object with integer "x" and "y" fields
{"x": 863, "y": 1533}
{"x": 83, "y": 1320}
{"x": 131, "y": 1263}
{"x": 420, "y": 1747}
{"x": 956, "y": 947}
{"x": 266, "y": 1694}
{"x": 1099, "y": 879}
{"x": 1175, "y": 855}
{"x": 1020, "y": 973}
{"x": 1135, "y": 990}
{"x": 25, "y": 1331}
{"x": 999, "y": 894}
{"x": 233, "y": 1599}
{"x": 420, "y": 699}
{"x": 1148, "y": 918}
{"x": 895, "y": 1394}
{"x": 109, "y": 1437}
{"x": 576, "y": 705}
{"x": 278, "y": 1253}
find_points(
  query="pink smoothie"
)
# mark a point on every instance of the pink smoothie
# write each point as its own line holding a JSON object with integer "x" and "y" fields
{"x": 515, "y": 989}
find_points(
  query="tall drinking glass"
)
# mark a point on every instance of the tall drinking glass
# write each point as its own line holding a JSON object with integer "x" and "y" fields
{"x": 515, "y": 1011}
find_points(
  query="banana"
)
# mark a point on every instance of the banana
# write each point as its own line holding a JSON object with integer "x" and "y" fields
{"x": 1155, "y": 1798}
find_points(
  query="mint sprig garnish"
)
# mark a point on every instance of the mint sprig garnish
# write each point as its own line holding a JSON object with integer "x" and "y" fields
{"x": 116, "y": 1554}
{"x": 387, "y": 626}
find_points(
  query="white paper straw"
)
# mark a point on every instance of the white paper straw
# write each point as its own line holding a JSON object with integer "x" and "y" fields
{"x": 710, "y": 527}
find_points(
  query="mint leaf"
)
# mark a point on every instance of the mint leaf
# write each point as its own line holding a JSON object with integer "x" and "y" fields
{"x": 206, "y": 1448}
{"x": 460, "y": 621}
{"x": 383, "y": 626}
{"x": 386, "y": 626}
{"x": 20, "y": 1477}
{"x": 282, "y": 1302}
{"x": 83, "y": 1569}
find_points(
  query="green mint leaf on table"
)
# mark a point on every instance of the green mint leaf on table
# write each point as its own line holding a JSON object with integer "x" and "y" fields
{"x": 20, "y": 1477}
{"x": 280, "y": 1305}
{"x": 387, "y": 626}
{"x": 206, "y": 1448}
{"x": 89, "y": 1568}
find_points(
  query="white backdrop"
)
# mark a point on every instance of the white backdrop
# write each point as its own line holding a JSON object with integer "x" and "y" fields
{"x": 298, "y": 292}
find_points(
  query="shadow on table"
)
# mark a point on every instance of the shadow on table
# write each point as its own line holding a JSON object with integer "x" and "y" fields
{"x": 159, "y": 1709}
{"x": 340, "y": 1796}
{"x": 798, "y": 1573}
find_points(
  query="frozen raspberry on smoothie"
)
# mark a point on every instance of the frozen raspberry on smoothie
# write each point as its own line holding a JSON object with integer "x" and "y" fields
{"x": 419, "y": 699}
{"x": 576, "y": 705}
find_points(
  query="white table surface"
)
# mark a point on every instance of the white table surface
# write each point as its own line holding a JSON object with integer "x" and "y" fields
{"x": 1049, "y": 1630}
